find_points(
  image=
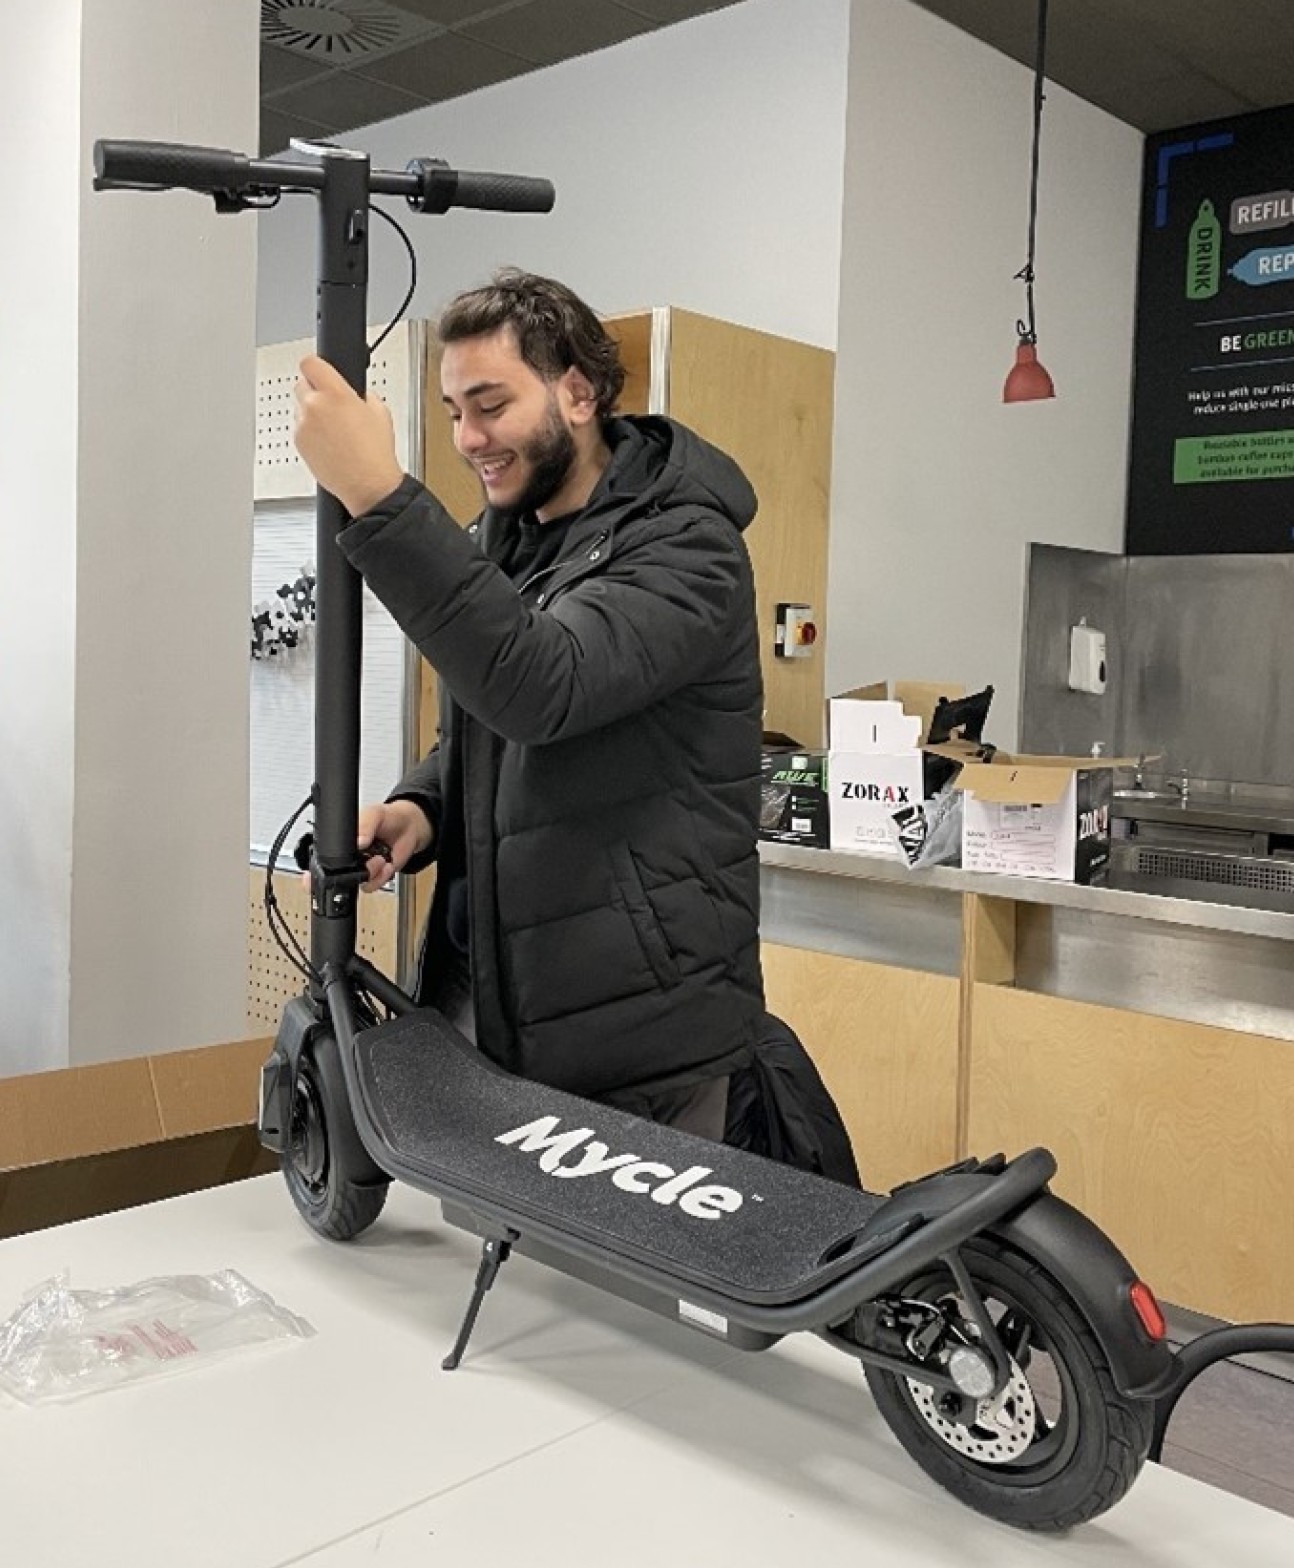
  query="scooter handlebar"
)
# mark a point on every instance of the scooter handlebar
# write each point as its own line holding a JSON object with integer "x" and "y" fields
{"x": 166, "y": 166}
{"x": 429, "y": 184}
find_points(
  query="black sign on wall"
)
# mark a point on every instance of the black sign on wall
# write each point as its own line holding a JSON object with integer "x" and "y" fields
{"x": 1212, "y": 455}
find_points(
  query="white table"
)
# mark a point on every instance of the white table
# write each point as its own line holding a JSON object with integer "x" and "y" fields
{"x": 579, "y": 1430}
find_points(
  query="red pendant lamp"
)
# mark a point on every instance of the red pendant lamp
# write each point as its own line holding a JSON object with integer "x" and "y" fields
{"x": 1028, "y": 380}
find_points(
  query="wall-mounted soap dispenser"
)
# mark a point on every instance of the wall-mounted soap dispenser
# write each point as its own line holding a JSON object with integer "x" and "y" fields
{"x": 1087, "y": 670}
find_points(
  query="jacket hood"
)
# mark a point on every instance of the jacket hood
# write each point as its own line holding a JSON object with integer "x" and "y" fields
{"x": 657, "y": 462}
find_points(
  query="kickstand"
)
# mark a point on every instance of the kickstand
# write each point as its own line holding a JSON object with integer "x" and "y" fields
{"x": 494, "y": 1254}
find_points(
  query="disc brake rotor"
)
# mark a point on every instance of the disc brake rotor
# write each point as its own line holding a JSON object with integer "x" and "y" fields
{"x": 1002, "y": 1428}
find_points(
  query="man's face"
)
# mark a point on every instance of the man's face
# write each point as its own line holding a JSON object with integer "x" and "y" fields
{"x": 509, "y": 423}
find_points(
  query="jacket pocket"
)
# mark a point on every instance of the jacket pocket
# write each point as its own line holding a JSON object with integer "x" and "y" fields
{"x": 577, "y": 964}
{"x": 642, "y": 914}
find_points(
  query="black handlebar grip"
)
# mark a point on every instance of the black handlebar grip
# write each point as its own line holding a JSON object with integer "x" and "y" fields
{"x": 440, "y": 188}
{"x": 504, "y": 193}
{"x": 166, "y": 166}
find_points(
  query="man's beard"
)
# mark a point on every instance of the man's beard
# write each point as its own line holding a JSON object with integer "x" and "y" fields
{"x": 551, "y": 456}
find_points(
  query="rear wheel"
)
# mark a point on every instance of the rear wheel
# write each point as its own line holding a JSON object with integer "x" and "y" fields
{"x": 330, "y": 1203}
{"x": 1060, "y": 1444}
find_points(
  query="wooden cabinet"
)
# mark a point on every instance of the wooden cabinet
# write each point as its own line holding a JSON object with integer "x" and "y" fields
{"x": 885, "y": 1040}
{"x": 1176, "y": 1138}
{"x": 1173, "y": 1133}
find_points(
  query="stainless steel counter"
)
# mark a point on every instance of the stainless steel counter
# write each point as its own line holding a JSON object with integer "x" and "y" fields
{"x": 1133, "y": 903}
{"x": 1209, "y": 962}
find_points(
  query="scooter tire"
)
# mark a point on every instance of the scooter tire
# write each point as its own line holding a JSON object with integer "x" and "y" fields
{"x": 1079, "y": 1443}
{"x": 326, "y": 1199}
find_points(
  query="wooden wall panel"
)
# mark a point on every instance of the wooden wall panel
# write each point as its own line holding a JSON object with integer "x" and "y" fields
{"x": 1176, "y": 1138}
{"x": 633, "y": 334}
{"x": 885, "y": 1042}
{"x": 768, "y": 402}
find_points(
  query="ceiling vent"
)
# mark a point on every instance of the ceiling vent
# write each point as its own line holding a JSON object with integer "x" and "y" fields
{"x": 340, "y": 32}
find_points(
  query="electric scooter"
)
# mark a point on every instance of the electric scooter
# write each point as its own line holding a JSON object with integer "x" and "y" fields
{"x": 1005, "y": 1340}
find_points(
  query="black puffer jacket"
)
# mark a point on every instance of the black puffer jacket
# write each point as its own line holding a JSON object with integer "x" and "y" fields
{"x": 597, "y": 775}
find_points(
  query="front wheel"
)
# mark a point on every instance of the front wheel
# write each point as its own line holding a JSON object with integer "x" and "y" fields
{"x": 329, "y": 1202}
{"x": 1060, "y": 1444}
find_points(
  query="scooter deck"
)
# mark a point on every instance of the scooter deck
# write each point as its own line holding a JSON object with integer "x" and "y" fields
{"x": 441, "y": 1117}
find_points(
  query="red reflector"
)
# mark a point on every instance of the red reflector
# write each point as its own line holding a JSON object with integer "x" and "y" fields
{"x": 1147, "y": 1308}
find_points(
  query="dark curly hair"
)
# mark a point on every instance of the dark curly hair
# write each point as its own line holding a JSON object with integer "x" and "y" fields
{"x": 554, "y": 328}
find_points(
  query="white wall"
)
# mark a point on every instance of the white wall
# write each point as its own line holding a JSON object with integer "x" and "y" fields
{"x": 166, "y": 410}
{"x": 127, "y": 420}
{"x": 697, "y": 166}
{"x": 938, "y": 486}
{"x": 40, "y": 89}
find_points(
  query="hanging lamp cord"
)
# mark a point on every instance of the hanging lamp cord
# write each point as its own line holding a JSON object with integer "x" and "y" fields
{"x": 1027, "y": 329}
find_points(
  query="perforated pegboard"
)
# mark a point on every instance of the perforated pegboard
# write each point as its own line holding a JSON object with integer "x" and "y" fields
{"x": 280, "y": 473}
{"x": 271, "y": 979}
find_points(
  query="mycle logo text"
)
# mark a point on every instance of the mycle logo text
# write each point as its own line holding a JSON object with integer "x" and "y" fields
{"x": 662, "y": 1182}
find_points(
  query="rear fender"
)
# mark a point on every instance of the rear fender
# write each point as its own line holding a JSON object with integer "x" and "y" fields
{"x": 1092, "y": 1271}
{"x": 1078, "y": 1256}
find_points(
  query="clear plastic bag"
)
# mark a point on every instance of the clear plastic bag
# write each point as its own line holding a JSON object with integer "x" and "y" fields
{"x": 930, "y": 834}
{"x": 61, "y": 1343}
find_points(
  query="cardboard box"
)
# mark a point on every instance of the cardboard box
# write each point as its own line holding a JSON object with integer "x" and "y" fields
{"x": 1043, "y": 817}
{"x": 865, "y": 789}
{"x": 853, "y": 715}
{"x": 793, "y": 806}
{"x": 87, "y": 1140}
{"x": 876, "y": 763}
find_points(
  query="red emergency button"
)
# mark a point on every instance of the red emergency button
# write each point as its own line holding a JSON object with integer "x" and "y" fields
{"x": 796, "y": 631}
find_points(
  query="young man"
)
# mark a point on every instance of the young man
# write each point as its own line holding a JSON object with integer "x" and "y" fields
{"x": 593, "y": 800}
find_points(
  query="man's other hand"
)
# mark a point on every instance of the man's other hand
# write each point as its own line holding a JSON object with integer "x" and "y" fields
{"x": 403, "y": 827}
{"x": 400, "y": 825}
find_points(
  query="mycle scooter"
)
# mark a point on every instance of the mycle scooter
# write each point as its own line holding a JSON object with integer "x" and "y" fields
{"x": 1006, "y": 1341}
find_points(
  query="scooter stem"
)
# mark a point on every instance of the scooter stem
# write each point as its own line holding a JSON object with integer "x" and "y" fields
{"x": 341, "y": 315}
